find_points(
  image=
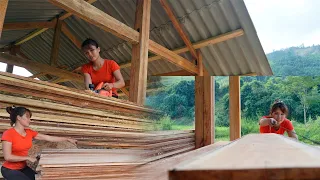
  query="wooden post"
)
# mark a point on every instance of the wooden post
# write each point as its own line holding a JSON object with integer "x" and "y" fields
{"x": 9, "y": 67}
{"x": 3, "y": 10}
{"x": 200, "y": 63}
{"x": 204, "y": 108}
{"x": 139, "y": 68}
{"x": 234, "y": 107}
{"x": 55, "y": 44}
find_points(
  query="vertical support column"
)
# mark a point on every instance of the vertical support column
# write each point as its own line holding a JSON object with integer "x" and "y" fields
{"x": 139, "y": 62}
{"x": 204, "y": 108}
{"x": 234, "y": 107}
{"x": 200, "y": 63}
{"x": 3, "y": 10}
{"x": 9, "y": 67}
{"x": 56, "y": 44}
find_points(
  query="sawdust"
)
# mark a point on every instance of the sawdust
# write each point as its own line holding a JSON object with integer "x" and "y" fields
{"x": 38, "y": 146}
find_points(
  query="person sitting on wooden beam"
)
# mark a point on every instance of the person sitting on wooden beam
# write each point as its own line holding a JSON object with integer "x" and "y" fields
{"x": 277, "y": 122}
{"x": 16, "y": 143}
{"x": 100, "y": 70}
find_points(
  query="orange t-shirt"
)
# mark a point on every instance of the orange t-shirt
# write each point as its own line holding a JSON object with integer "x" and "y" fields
{"x": 20, "y": 146}
{"x": 284, "y": 126}
{"x": 104, "y": 74}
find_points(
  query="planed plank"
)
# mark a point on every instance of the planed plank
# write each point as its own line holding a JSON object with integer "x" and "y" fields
{"x": 253, "y": 157}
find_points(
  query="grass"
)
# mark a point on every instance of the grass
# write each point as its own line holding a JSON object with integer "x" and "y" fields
{"x": 311, "y": 130}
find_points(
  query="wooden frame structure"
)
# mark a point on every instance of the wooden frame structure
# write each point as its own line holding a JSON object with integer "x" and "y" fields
{"x": 139, "y": 38}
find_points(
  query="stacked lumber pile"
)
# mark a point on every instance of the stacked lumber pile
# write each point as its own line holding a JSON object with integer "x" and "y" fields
{"x": 95, "y": 121}
{"x": 89, "y": 164}
{"x": 255, "y": 157}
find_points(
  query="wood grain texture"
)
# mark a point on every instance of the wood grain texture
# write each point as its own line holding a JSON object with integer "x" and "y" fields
{"x": 234, "y": 107}
{"x": 3, "y": 10}
{"x": 253, "y": 157}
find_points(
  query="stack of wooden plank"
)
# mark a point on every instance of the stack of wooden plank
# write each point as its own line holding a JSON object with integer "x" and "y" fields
{"x": 95, "y": 121}
{"x": 89, "y": 163}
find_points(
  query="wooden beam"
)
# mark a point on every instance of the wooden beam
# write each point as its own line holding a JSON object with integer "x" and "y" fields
{"x": 139, "y": 70}
{"x": 27, "y": 25}
{"x": 30, "y": 36}
{"x": 204, "y": 99}
{"x": 100, "y": 19}
{"x": 234, "y": 107}
{"x": 39, "y": 31}
{"x": 97, "y": 17}
{"x": 6, "y": 58}
{"x": 3, "y": 10}
{"x": 172, "y": 57}
{"x": 55, "y": 44}
{"x": 72, "y": 38}
{"x": 200, "y": 44}
{"x": 38, "y": 75}
{"x": 125, "y": 91}
{"x": 178, "y": 27}
{"x": 68, "y": 14}
{"x": 59, "y": 80}
{"x": 175, "y": 73}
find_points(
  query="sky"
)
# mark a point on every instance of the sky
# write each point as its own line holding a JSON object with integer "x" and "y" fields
{"x": 279, "y": 23}
{"x": 285, "y": 23}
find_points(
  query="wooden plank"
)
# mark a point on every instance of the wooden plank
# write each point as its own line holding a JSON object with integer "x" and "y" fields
{"x": 234, "y": 107}
{"x": 72, "y": 38}
{"x": 100, "y": 19}
{"x": 55, "y": 44}
{"x": 178, "y": 27}
{"x": 3, "y": 10}
{"x": 159, "y": 169}
{"x": 249, "y": 158}
{"x": 200, "y": 44}
{"x": 139, "y": 70}
{"x": 27, "y": 25}
{"x": 84, "y": 99}
{"x": 6, "y": 58}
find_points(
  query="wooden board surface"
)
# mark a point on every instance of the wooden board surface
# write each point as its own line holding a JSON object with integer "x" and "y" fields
{"x": 255, "y": 156}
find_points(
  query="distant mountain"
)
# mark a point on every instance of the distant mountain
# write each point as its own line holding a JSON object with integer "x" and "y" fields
{"x": 296, "y": 61}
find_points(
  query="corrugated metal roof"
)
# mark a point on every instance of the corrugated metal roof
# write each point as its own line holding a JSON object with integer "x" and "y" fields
{"x": 30, "y": 11}
{"x": 201, "y": 19}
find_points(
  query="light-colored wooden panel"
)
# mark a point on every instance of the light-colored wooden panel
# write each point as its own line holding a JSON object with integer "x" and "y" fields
{"x": 254, "y": 157}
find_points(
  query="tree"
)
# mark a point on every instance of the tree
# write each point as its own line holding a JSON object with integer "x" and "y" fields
{"x": 302, "y": 88}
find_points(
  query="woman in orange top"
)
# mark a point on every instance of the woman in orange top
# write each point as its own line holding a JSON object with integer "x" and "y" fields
{"x": 16, "y": 143}
{"x": 100, "y": 70}
{"x": 277, "y": 122}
